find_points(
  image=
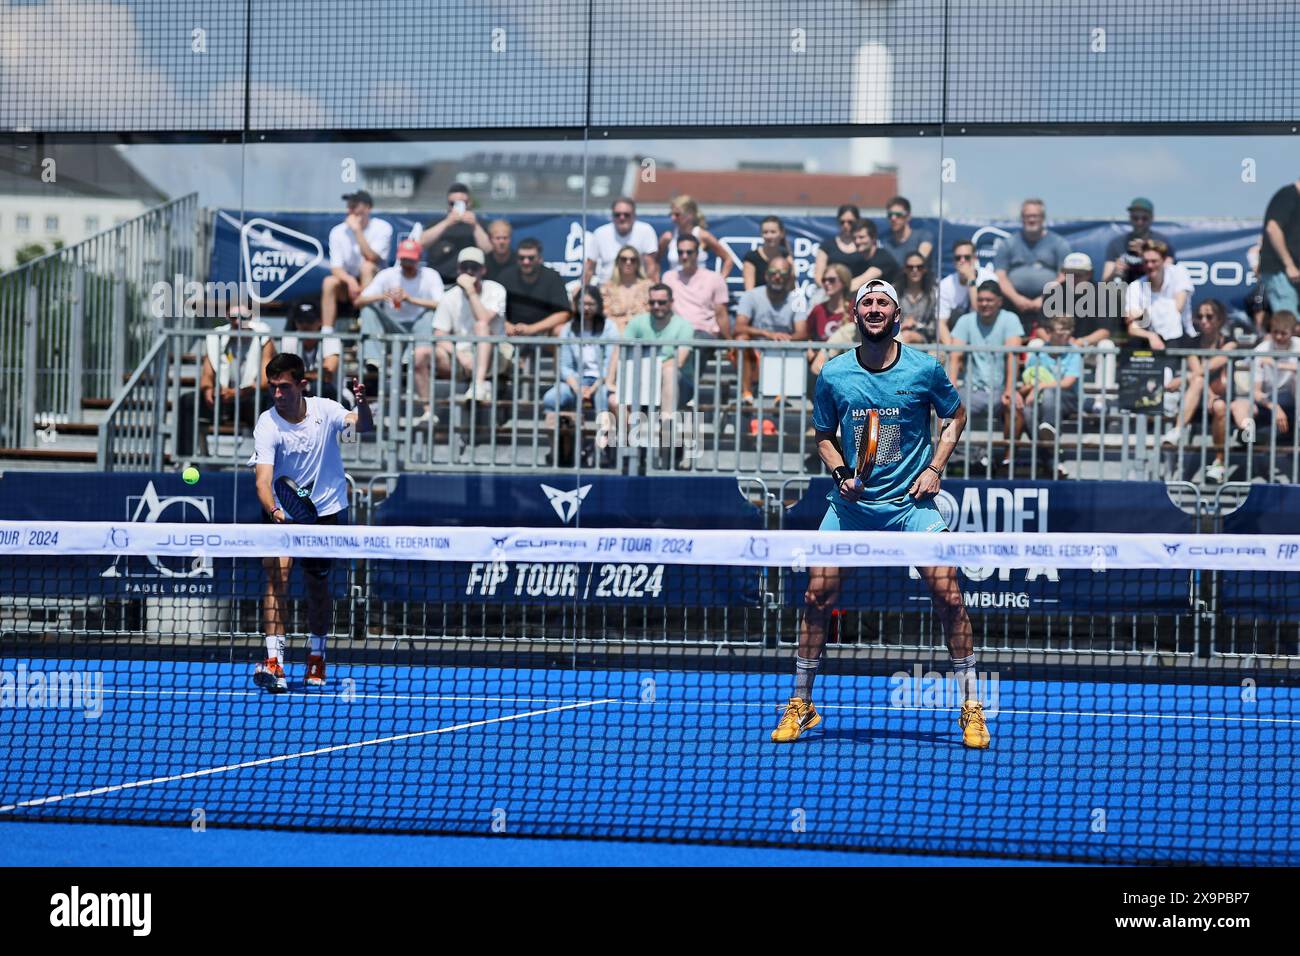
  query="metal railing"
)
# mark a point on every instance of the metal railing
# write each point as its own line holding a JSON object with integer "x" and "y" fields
{"x": 716, "y": 429}
{"x": 75, "y": 321}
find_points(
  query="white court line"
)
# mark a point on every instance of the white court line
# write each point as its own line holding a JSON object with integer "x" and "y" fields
{"x": 707, "y": 703}
{"x": 317, "y": 696}
{"x": 283, "y": 757}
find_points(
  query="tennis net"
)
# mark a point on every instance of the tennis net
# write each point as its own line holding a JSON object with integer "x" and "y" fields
{"x": 626, "y": 684}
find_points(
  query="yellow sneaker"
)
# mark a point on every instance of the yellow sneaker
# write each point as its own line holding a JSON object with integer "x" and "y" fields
{"x": 800, "y": 715}
{"x": 974, "y": 730}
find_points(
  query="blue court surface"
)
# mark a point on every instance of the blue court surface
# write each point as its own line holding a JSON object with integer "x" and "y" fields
{"x": 1089, "y": 772}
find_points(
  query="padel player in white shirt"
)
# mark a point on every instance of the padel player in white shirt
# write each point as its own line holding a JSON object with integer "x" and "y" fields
{"x": 298, "y": 438}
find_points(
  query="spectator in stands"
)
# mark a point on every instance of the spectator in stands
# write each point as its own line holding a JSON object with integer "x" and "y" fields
{"x": 1273, "y": 398}
{"x": 775, "y": 312}
{"x": 918, "y": 304}
{"x": 955, "y": 289}
{"x": 829, "y": 315}
{"x": 358, "y": 246}
{"x": 627, "y": 293}
{"x": 1083, "y": 300}
{"x": 754, "y": 265}
{"x": 586, "y": 375}
{"x": 1027, "y": 261}
{"x": 687, "y": 221}
{"x": 501, "y": 257}
{"x": 902, "y": 239}
{"x": 1124, "y": 252}
{"x": 699, "y": 295}
{"x": 1158, "y": 307}
{"x": 401, "y": 301}
{"x": 1279, "y": 257}
{"x": 1048, "y": 388}
{"x": 839, "y": 247}
{"x": 607, "y": 240}
{"x": 989, "y": 393}
{"x": 320, "y": 357}
{"x": 234, "y": 371}
{"x": 537, "y": 303}
{"x": 456, "y": 231}
{"x": 872, "y": 262}
{"x": 661, "y": 323}
{"x": 474, "y": 306}
{"x": 1193, "y": 378}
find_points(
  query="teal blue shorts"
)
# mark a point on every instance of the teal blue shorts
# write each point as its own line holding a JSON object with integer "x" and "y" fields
{"x": 907, "y": 515}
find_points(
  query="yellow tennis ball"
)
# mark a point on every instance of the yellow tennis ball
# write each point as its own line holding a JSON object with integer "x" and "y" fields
{"x": 190, "y": 475}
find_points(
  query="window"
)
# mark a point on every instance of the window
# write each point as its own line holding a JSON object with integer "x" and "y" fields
{"x": 51, "y": 224}
{"x": 22, "y": 223}
{"x": 92, "y": 225}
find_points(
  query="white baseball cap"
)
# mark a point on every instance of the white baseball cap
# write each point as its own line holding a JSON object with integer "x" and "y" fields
{"x": 1077, "y": 262}
{"x": 877, "y": 285}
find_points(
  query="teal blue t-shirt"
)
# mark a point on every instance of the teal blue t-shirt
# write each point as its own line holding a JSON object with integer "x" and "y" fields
{"x": 906, "y": 393}
{"x": 987, "y": 370}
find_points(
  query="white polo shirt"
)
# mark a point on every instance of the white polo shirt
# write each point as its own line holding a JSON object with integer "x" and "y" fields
{"x": 455, "y": 318}
{"x": 605, "y": 243}
{"x": 308, "y": 452}
{"x": 345, "y": 253}
{"x": 426, "y": 284}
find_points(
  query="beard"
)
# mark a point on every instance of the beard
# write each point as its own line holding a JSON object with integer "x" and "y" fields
{"x": 883, "y": 336}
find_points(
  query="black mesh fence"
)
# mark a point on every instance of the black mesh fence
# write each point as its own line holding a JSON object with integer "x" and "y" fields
{"x": 404, "y": 66}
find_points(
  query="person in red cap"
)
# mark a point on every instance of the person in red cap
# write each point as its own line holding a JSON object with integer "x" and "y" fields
{"x": 401, "y": 300}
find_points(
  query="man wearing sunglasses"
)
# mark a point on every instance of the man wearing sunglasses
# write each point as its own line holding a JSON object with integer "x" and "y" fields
{"x": 624, "y": 230}
{"x": 775, "y": 312}
{"x": 1124, "y": 252}
{"x": 956, "y": 288}
{"x": 902, "y": 239}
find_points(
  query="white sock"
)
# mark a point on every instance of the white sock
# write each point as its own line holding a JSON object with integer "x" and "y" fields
{"x": 275, "y": 647}
{"x": 963, "y": 669}
{"x": 318, "y": 645}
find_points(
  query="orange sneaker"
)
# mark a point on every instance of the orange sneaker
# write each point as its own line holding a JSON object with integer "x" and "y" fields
{"x": 270, "y": 675}
{"x": 315, "y": 671}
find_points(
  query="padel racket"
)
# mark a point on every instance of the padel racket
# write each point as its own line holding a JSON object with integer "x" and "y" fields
{"x": 868, "y": 440}
{"x": 296, "y": 502}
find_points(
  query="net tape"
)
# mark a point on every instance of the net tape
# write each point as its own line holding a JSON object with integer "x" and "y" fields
{"x": 1222, "y": 552}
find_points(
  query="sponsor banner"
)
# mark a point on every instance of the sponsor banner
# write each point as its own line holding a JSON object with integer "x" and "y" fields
{"x": 285, "y": 255}
{"x": 621, "y": 568}
{"x": 136, "y": 504}
{"x": 1091, "y": 552}
{"x": 1272, "y": 510}
{"x": 1085, "y": 574}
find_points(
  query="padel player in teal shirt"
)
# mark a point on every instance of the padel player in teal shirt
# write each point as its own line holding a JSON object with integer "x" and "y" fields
{"x": 904, "y": 386}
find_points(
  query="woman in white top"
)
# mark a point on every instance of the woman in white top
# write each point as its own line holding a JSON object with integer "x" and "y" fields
{"x": 686, "y": 218}
{"x": 1158, "y": 307}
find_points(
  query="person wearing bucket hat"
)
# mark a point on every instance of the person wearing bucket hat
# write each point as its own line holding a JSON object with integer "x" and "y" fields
{"x": 887, "y": 390}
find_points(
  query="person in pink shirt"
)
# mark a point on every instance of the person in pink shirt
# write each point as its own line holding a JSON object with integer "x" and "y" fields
{"x": 699, "y": 295}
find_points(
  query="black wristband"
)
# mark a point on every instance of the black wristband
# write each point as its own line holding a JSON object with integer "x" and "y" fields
{"x": 842, "y": 473}
{"x": 934, "y": 469}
